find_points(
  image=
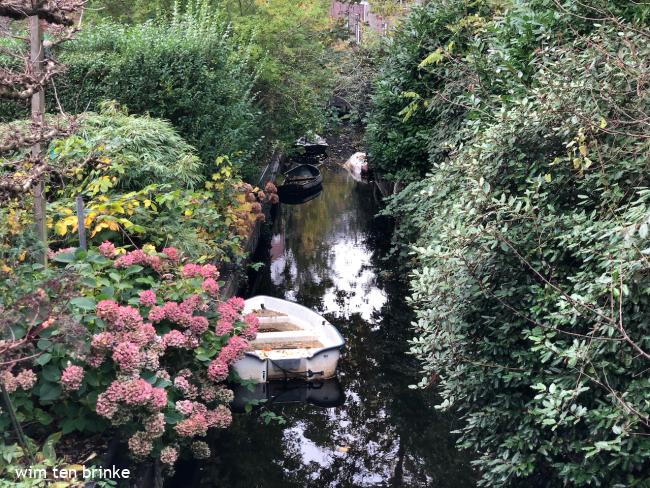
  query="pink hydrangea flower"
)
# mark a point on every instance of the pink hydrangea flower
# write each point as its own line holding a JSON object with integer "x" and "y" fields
{"x": 201, "y": 450}
{"x": 185, "y": 387}
{"x": 156, "y": 314}
{"x": 26, "y": 379}
{"x": 155, "y": 425}
{"x": 107, "y": 310}
{"x": 209, "y": 271}
{"x": 72, "y": 377}
{"x": 171, "y": 253}
{"x": 221, "y": 417}
{"x": 194, "y": 426}
{"x": 102, "y": 341}
{"x": 107, "y": 249}
{"x": 206, "y": 271}
{"x": 199, "y": 325}
{"x": 217, "y": 370}
{"x": 140, "y": 445}
{"x": 147, "y": 298}
{"x": 127, "y": 356}
{"x": 233, "y": 350}
{"x": 224, "y": 327}
{"x": 168, "y": 455}
{"x": 174, "y": 338}
{"x": 131, "y": 258}
{"x": 189, "y": 270}
{"x": 252, "y": 323}
{"x": 158, "y": 398}
{"x": 210, "y": 286}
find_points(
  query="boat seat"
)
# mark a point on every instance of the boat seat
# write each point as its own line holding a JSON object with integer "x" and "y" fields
{"x": 284, "y": 336}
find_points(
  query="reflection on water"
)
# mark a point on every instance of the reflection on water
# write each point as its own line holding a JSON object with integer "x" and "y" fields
{"x": 327, "y": 255}
{"x": 322, "y": 393}
{"x": 324, "y": 243}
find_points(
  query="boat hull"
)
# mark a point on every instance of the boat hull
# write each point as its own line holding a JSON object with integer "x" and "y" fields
{"x": 321, "y": 365}
{"x": 290, "y": 193}
{"x": 294, "y": 342}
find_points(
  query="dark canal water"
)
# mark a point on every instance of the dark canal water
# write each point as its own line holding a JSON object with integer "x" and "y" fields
{"x": 368, "y": 428}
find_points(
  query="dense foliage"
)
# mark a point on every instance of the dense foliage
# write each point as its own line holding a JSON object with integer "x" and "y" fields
{"x": 528, "y": 235}
{"x": 188, "y": 70}
{"x": 286, "y": 47}
{"x": 136, "y": 340}
{"x": 141, "y": 183}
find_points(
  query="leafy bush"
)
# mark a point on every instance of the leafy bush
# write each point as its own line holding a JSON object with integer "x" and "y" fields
{"x": 153, "y": 345}
{"x": 140, "y": 150}
{"x": 405, "y": 120}
{"x": 287, "y": 45}
{"x": 528, "y": 239}
{"x": 141, "y": 183}
{"x": 187, "y": 70}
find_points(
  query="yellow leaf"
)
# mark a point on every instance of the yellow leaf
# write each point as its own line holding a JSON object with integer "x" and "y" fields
{"x": 603, "y": 123}
{"x": 61, "y": 228}
{"x": 548, "y": 177}
{"x": 583, "y": 149}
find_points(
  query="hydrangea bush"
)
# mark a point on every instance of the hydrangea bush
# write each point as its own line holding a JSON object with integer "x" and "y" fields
{"x": 156, "y": 349}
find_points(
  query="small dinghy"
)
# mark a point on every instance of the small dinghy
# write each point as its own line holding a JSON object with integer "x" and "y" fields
{"x": 312, "y": 144}
{"x": 299, "y": 182}
{"x": 292, "y": 342}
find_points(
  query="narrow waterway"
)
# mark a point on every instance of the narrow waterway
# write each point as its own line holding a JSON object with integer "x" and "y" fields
{"x": 368, "y": 428}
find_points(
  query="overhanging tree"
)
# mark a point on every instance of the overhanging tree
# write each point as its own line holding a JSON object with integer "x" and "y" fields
{"x": 26, "y": 68}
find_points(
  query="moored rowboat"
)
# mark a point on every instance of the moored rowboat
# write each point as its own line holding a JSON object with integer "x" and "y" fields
{"x": 304, "y": 179}
{"x": 292, "y": 342}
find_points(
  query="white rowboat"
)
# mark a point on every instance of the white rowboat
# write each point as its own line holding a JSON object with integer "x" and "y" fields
{"x": 292, "y": 342}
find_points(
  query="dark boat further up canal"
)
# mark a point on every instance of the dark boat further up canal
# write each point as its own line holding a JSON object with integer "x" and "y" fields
{"x": 300, "y": 183}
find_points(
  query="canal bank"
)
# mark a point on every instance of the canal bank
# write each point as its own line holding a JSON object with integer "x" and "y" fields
{"x": 328, "y": 254}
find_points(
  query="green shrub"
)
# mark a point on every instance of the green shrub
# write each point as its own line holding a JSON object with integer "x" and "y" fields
{"x": 187, "y": 70}
{"x": 528, "y": 243}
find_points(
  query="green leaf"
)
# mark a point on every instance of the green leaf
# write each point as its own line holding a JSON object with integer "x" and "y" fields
{"x": 50, "y": 392}
{"x": 51, "y": 372}
{"x": 43, "y": 359}
{"x": 43, "y": 417}
{"x": 84, "y": 303}
{"x": 66, "y": 257}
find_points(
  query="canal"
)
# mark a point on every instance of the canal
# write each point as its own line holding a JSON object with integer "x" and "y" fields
{"x": 368, "y": 428}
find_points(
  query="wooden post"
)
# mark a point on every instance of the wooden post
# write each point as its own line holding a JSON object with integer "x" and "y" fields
{"x": 80, "y": 223}
{"x": 38, "y": 118}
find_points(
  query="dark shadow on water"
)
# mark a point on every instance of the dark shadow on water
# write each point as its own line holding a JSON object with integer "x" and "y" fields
{"x": 328, "y": 255}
